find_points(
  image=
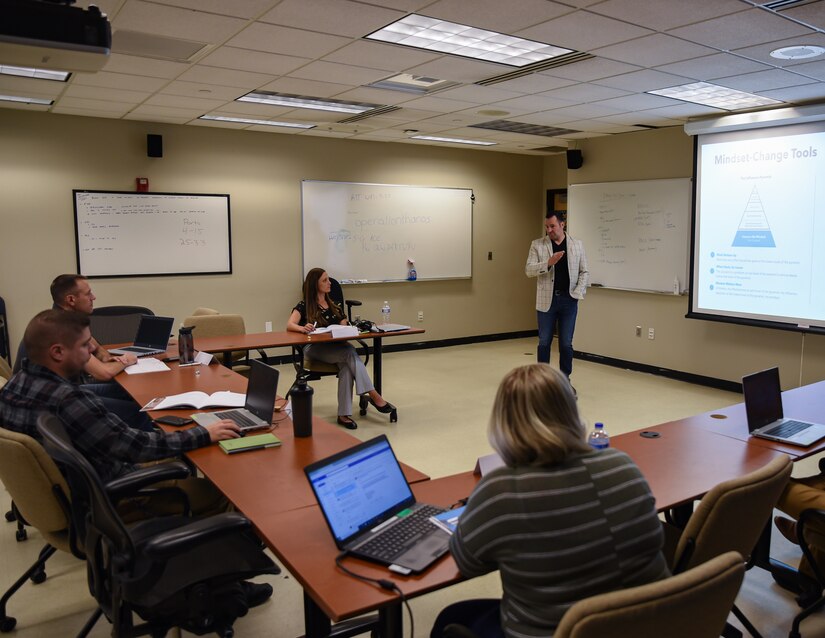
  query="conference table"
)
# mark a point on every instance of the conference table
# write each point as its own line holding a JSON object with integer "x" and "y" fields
{"x": 681, "y": 460}
{"x": 262, "y": 340}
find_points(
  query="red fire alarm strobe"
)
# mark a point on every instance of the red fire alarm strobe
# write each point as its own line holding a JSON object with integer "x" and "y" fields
{"x": 142, "y": 184}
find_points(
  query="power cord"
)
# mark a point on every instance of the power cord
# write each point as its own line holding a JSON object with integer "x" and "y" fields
{"x": 383, "y": 583}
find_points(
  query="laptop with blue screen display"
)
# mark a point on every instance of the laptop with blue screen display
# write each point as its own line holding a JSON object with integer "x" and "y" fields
{"x": 371, "y": 510}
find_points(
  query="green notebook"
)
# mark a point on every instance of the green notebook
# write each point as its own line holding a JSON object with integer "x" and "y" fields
{"x": 246, "y": 443}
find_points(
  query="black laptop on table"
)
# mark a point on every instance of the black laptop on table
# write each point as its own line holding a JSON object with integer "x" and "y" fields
{"x": 261, "y": 392}
{"x": 763, "y": 405}
{"x": 371, "y": 510}
{"x": 152, "y": 336}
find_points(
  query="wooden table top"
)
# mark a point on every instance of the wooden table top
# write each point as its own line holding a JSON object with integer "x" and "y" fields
{"x": 281, "y": 339}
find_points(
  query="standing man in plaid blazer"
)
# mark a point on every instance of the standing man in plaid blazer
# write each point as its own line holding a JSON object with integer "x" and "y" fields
{"x": 560, "y": 266}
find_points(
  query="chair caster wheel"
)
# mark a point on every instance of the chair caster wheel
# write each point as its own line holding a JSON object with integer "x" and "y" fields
{"x": 7, "y": 624}
{"x": 21, "y": 535}
{"x": 394, "y": 416}
{"x": 363, "y": 411}
{"x": 10, "y": 516}
{"x": 38, "y": 577}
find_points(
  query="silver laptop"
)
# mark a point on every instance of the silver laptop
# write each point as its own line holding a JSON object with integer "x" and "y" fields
{"x": 763, "y": 405}
{"x": 371, "y": 511}
{"x": 256, "y": 414}
{"x": 152, "y": 336}
{"x": 391, "y": 327}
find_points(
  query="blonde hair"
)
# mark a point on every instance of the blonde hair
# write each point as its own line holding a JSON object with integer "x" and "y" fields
{"x": 535, "y": 419}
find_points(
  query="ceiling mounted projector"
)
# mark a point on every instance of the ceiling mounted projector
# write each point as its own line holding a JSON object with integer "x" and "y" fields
{"x": 49, "y": 34}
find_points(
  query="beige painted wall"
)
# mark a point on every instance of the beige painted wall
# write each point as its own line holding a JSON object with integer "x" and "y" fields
{"x": 43, "y": 157}
{"x": 607, "y": 318}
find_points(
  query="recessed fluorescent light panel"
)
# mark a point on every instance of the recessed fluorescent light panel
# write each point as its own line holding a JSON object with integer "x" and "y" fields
{"x": 305, "y": 102}
{"x": 26, "y": 100}
{"x": 37, "y": 74}
{"x": 432, "y": 34}
{"x": 451, "y": 140}
{"x": 719, "y": 97}
{"x": 244, "y": 120}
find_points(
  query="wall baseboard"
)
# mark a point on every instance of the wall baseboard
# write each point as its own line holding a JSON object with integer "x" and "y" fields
{"x": 698, "y": 379}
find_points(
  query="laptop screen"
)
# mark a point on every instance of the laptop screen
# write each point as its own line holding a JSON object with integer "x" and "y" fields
{"x": 261, "y": 390}
{"x": 763, "y": 398}
{"x": 359, "y": 488}
{"x": 153, "y": 331}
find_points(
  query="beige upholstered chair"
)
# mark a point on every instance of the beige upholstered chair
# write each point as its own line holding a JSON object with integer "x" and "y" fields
{"x": 810, "y": 531}
{"x": 730, "y": 517}
{"x": 5, "y": 371}
{"x": 693, "y": 604}
{"x": 40, "y": 496}
{"x": 210, "y": 323}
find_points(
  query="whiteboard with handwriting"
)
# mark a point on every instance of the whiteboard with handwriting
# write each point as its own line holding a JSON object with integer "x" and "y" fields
{"x": 122, "y": 234}
{"x": 363, "y": 233}
{"x": 635, "y": 234}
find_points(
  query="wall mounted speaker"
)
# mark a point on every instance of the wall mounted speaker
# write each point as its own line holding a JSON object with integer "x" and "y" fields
{"x": 574, "y": 158}
{"x": 154, "y": 146}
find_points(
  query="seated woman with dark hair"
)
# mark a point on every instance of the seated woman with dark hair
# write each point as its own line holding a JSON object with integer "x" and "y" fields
{"x": 317, "y": 309}
{"x": 560, "y": 521}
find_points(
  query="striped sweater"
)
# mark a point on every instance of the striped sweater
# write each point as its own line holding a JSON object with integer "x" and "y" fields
{"x": 559, "y": 534}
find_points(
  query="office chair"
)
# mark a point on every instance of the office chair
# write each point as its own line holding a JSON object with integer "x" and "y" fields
{"x": 169, "y": 570}
{"x": 308, "y": 369}
{"x": 730, "y": 517}
{"x": 116, "y": 324}
{"x": 810, "y": 530}
{"x": 211, "y": 323}
{"x": 693, "y": 604}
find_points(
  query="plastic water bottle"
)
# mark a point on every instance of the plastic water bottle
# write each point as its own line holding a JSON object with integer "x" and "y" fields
{"x": 385, "y": 313}
{"x": 599, "y": 439}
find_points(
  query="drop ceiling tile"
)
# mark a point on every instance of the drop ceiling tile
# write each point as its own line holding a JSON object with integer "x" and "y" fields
{"x": 204, "y": 74}
{"x": 741, "y": 29}
{"x": 174, "y": 22}
{"x": 217, "y": 124}
{"x": 151, "y": 110}
{"x": 61, "y": 110}
{"x": 762, "y": 52}
{"x": 282, "y": 130}
{"x": 134, "y": 65}
{"x": 178, "y": 101}
{"x": 599, "y": 126}
{"x": 106, "y": 94}
{"x": 377, "y": 55}
{"x": 637, "y": 102}
{"x": 646, "y": 80}
{"x": 28, "y": 86}
{"x": 583, "y": 31}
{"x": 374, "y": 96}
{"x": 198, "y": 90}
{"x": 812, "y": 69}
{"x": 653, "y": 50}
{"x": 410, "y": 115}
{"x": 276, "y": 39}
{"x": 812, "y": 14}
{"x": 340, "y": 17}
{"x": 479, "y": 94}
{"x": 299, "y": 86}
{"x": 765, "y": 80}
{"x": 464, "y": 118}
{"x": 535, "y": 83}
{"x": 685, "y": 110}
{"x": 321, "y": 132}
{"x": 254, "y": 61}
{"x": 584, "y": 111}
{"x": 236, "y": 8}
{"x": 661, "y": 16}
{"x": 120, "y": 81}
{"x": 712, "y": 66}
{"x": 457, "y": 69}
{"x": 339, "y": 73}
{"x": 438, "y": 104}
{"x": 466, "y": 132}
{"x": 631, "y": 119}
{"x": 530, "y": 103}
{"x": 94, "y": 105}
{"x": 165, "y": 119}
{"x": 546, "y": 118}
{"x": 488, "y": 14}
{"x": 589, "y": 70}
{"x": 584, "y": 92}
{"x": 798, "y": 93}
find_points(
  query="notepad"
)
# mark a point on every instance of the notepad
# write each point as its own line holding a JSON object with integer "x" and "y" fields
{"x": 247, "y": 443}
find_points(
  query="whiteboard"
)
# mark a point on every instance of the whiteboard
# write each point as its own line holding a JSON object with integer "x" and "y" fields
{"x": 363, "y": 233}
{"x": 122, "y": 234}
{"x": 635, "y": 234}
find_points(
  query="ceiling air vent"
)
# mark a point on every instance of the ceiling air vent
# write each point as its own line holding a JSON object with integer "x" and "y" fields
{"x": 363, "y": 116}
{"x": 522, "y": 127}
{"x": 553, "y": 63}
{"x": 147, "y": 45}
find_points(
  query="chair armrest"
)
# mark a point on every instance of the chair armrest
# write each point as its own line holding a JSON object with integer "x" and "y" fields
{"x": 352, "y": 302}
{"x": 811, "y": 526}
{"x": 181, "y": 539}
{"x": 135, "y": 481}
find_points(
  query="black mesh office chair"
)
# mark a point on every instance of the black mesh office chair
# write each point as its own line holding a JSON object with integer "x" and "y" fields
{"x": 116, "y": 324}
{"x": 169, "y": 570}
{"x": 312, "y": 370}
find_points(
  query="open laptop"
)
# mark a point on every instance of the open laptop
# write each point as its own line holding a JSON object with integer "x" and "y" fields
{"x": 763, "y": 405}
{"x": 371, "y": 510}
{"x": 152, "y": 336}
{"x": 259, "y": 405}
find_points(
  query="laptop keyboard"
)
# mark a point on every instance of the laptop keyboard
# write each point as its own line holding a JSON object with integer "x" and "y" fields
{"x": 788, "y": 428}
{"x": 392, "y": 541}
{"x": 241, "y": 419}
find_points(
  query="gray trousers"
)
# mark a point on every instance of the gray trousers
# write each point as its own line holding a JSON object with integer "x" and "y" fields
{"x": 350, "y": 367}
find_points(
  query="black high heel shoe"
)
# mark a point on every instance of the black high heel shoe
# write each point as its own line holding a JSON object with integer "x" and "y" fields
{"x": 387, "y": 408}
{"x": 350, "y": 424}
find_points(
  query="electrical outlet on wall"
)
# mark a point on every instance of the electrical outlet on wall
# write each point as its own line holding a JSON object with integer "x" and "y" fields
{"x": 421, "y": 315}
{"x": 268, "y": 326}
{"x": 651, "y": 333}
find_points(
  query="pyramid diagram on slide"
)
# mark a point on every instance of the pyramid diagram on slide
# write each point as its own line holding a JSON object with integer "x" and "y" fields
{"x": 754, "y": 229}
